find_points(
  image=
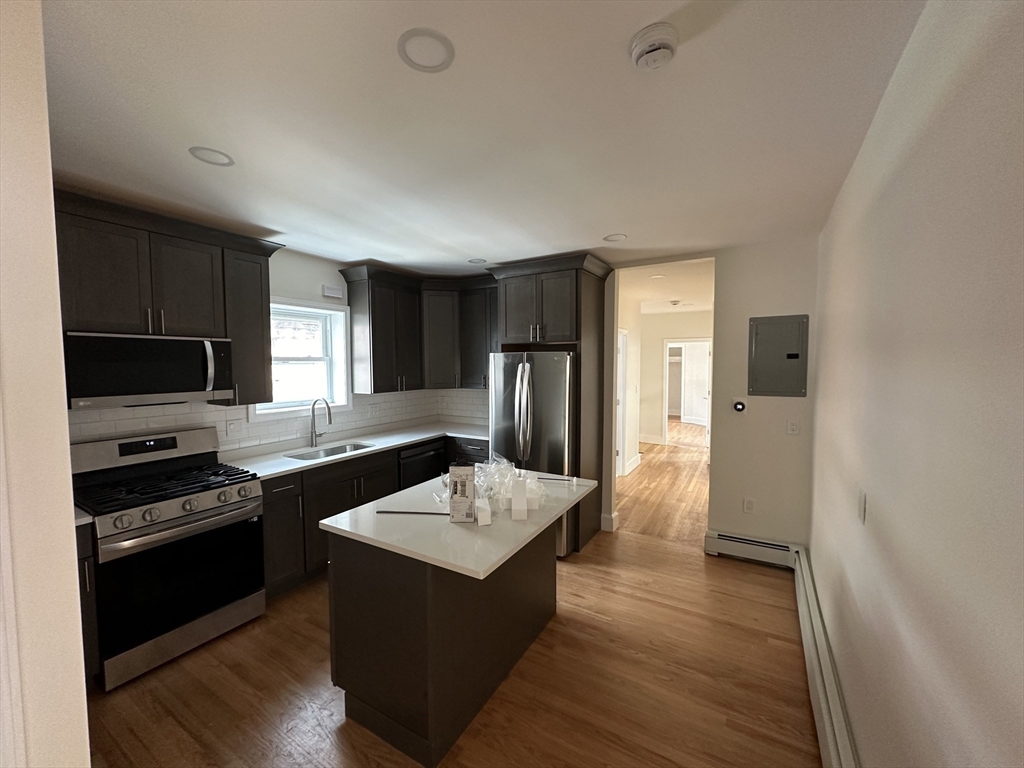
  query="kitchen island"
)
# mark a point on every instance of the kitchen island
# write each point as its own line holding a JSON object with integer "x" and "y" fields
{"x": 428, "y": 617}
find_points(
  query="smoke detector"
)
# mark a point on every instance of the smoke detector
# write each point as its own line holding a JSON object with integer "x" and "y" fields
{"x": 653, "y": 47}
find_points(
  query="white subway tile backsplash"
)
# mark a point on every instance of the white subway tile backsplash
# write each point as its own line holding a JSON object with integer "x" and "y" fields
{"x": 453, "y": 404}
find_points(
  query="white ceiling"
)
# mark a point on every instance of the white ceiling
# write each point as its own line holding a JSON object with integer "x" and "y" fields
{"x": 540, "y": 138}
{"x": 691, "y": 283}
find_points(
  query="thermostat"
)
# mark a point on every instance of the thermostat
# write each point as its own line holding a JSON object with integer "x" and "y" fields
{"x": 739, "y": 406}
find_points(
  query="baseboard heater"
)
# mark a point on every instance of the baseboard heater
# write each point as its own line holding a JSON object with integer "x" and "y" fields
{"x": 835, "y": 739}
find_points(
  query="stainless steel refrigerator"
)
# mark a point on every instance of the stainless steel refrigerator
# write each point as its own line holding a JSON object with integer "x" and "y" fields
{"x": 532, "y": 418}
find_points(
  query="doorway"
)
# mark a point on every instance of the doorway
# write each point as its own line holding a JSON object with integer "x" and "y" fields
{"x": 687, "y": 392}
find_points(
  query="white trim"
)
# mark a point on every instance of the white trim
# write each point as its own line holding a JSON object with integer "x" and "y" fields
{"x": 621, "y": 399}
{"x": 655, "y": 439}
{"x": 633, "y": 463}
{"x": 835, "y": 737}
{"x": 610, "y": 522}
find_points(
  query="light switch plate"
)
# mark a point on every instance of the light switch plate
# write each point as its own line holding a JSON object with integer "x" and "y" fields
{"x": 748, "y": 505}
{"x": 235, "y": 427}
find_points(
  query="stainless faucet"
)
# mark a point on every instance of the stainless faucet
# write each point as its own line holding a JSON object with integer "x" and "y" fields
{"x": 313, "y": 434}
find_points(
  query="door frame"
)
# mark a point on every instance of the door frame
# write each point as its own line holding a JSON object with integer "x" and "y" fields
{"x": 664, "y": 388}
{"x": 621, "y": 398}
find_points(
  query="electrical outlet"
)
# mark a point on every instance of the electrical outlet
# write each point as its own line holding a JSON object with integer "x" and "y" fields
{"x": 862, "y": 508}
{"x": 375, "y": 409}
{"x": 748, "y": 505}
{"x": 444, "y": 402}
{"x": 235, "y": 427}
{"x": 792, "y": 427}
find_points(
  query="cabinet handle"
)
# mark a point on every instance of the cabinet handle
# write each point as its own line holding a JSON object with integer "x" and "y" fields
{"x": 362, "y": 486}
{"x": 88, "y": 583}
{"x": 531, "y": 331}
{"x": 301, "y": 515}
{"x": 282, "y": 488}
{"x": 149, "y": 318}
{"x": 484, "y": 379}
{"x": 540, "y": 331}
{"x": 163, "y": 326}
{"x": 236, "y": 401}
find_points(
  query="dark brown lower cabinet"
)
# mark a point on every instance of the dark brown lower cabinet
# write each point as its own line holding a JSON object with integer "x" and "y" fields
{"x": 284, "y": 548}
{"x": 336, "y": 488}
{"x": 90, "y": 631}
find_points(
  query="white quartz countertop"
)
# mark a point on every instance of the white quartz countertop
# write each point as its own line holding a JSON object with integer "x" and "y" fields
{"x": 466, "y": 548}
{"x": 273, "y": 464}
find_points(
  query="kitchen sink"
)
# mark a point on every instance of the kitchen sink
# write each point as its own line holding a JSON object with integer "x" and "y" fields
{"x": 323, "y": 453}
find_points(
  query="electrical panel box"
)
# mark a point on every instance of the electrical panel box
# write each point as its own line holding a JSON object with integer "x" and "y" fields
{"x": 777, "y": 356}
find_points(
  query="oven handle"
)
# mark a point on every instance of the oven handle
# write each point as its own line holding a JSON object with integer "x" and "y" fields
{"x": 114, "y": 550}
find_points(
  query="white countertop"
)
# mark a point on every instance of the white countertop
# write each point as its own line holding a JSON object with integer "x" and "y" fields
{"x": 273, "y": 464}
{"x": 466, "y": 548}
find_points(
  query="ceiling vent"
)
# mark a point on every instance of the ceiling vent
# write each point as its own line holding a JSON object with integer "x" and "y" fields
{"x": 653, "y": 47}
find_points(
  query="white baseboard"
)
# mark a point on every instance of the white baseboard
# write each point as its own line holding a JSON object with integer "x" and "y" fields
{"x": 835, "y": 739}
{"x": 610, "y": 522}
{"x": 656, "y": 439}
{"x": 632, "y": 464}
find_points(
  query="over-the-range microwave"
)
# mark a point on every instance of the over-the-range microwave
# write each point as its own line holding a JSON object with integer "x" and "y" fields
{"x": 106, "y": 370}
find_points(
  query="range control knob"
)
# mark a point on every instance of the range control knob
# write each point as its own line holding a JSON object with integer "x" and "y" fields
{"x": 151, "y": 515}
{"x": 123, "y": 521}
{"x": 224, "y": 497}
{"x": 244, "y": 492}
{"x": 190, "y": 505}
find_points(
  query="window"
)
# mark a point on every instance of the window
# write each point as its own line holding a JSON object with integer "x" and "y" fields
{"x": 309, "y": 347}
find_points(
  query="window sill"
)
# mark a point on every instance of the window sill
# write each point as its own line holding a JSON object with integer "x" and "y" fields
{"x": 293, "y": 412}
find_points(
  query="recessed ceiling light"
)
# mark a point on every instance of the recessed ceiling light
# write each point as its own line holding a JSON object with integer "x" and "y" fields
{"x": 211, "y": 156}
{"x": 615, "y": 238}
{"x": 426, "y": 50}
{"x": 478, "y": 261}
{"x": 656, "y": 277}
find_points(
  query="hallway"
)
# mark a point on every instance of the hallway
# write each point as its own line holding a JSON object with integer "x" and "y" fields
{"x": 667, "y": 495}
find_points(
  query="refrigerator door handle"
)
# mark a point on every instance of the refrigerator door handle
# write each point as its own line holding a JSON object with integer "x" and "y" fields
{"x": 519, "y": 412}
{"x": 528, "y": 394}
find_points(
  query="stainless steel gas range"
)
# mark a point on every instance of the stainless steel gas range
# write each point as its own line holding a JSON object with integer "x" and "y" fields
{"x": 179, "y": 545}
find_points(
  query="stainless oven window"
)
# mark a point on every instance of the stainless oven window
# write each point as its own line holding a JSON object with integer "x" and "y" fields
{"x": 148, "y": 593}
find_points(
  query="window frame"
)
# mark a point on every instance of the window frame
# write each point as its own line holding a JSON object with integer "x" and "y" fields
{"x": 339, "y": 374}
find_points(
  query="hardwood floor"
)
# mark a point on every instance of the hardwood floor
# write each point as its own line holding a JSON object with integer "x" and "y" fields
{"x": 658, "y": 655}
{"x": 667, "y": 495}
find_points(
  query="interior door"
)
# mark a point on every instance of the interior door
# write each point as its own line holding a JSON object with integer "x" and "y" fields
{"x": 695, "y": 382}
{"x": 188, "y": 287}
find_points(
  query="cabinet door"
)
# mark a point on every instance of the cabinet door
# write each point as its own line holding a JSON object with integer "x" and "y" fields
{"x": 188, "y": 287}
{"x": 104, "y": 276}
{"x": 474, "y": 337}
{"x": 376, "y": 485}
{"x": 90, "y": 631}
{"x": 284, "y": 544}
{"x": 247, "y": 311}
{"x": 557, "y": 317}
{"x": 518, "y": 309}
{"x": 319, "y": 503}
{"x": 493, "y": 326}
{"x": 383, "y": 305}
{"x": 441, "y": 333}
{"x": 408, "y": 341}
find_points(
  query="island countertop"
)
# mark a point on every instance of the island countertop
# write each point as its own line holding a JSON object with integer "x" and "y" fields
{"x": 465, "y": 548}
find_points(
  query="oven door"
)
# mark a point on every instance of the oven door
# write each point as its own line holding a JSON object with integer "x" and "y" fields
{"x": 160, "y": 593}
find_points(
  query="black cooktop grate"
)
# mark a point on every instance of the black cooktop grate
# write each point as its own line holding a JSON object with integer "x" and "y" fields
{"x": 105, "y": 498}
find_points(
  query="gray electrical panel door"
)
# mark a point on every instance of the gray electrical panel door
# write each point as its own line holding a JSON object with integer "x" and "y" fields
{"x": 777, "y": 356}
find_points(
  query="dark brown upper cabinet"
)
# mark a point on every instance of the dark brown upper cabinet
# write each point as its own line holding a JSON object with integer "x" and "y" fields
{"x": 539, "y": 299}
{"x": 188, "y": 287}
{"x": 105, "y": 283}
{"x": 247, "y": 312}
{"x": 538, "y": 308}
{"x": 478, "y": 335}
{"x": 441, "y": 339}
{"x": 386, "y": 337}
